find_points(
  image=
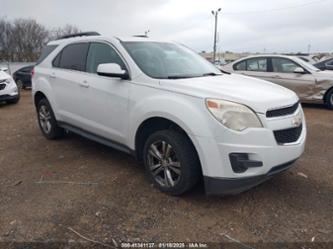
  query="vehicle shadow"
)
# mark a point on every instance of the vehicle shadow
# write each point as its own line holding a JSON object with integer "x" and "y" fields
{"x": 314, "y": 106}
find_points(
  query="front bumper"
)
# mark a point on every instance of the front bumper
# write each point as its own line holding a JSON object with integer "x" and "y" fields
{"x": 265, "y": 156}
{"x": 8, "y": 97}
{"x": 233, "y": 186}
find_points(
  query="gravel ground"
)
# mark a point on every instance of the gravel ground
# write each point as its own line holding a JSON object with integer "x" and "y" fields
{"x": 51, "y": 189}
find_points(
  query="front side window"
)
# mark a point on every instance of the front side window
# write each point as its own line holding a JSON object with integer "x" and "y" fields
{"x": 100, "y": 53}
{"x": 169, "y": 61}
{"x": 73, "y": 57}
{"x": 256, "y": 64}
{"x": 282, "y": 65}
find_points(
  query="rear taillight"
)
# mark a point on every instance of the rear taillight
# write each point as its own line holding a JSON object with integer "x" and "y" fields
{"x": 32, "y": 72}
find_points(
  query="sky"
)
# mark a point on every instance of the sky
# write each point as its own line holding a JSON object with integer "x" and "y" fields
{"x": 243, "y": 25}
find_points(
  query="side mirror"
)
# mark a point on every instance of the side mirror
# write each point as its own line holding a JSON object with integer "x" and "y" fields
{"x": 5, "y": 69}
{"x": 112, "y": 70}
{"x": 299, "y": 70}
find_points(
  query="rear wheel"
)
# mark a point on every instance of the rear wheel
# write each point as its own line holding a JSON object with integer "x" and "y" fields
{"x": 329, "y": 99}
{"x": 171, "y": 162}
{"x": 47, "y": 122}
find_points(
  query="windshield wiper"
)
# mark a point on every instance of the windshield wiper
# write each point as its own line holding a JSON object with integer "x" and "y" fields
{"x": 192, "y": 76}
{"x": 175, "y": 77}
{"x": 211, "y": 74}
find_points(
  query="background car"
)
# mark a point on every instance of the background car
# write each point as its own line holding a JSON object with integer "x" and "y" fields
{"x": 22, "y": 77}
{"x": 311, "y": 84}
{"x": 8, "y": 89}
{"x": 325, "y": 65}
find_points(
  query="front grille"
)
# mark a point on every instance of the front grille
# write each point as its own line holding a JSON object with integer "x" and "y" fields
{"x": 288, "y": 135}
{"x": 282, "y": 112}
{"x": 2, "y": 86}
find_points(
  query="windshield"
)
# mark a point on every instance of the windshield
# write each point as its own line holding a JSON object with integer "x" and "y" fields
{"x": 306, "y": 65}
{"x": 169, "y": 61}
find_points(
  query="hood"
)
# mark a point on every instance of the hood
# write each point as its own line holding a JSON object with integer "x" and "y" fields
{"x": 4, "y": 75}
{"x": 258, "y": 94}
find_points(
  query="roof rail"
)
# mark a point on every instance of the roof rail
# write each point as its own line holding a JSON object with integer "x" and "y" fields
{"x": 142, "y": 36}
{"x": 92, "y": 33}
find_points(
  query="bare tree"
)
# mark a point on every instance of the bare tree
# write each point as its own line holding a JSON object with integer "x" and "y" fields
{"x": 61, "y": 31}
{"x": 23, "y": 39}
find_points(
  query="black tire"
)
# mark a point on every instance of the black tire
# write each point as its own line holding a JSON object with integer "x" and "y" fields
{"x": 182, "y": 149}
{"x": 54, "y": 131}
{"x": 329, "y": 99}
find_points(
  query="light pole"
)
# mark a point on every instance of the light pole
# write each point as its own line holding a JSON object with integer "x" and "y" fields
{"x": 215, "y": 14}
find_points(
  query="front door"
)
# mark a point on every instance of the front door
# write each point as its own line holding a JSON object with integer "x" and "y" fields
{"x": 106, "y": 98}
{"x": 283, "y": 74}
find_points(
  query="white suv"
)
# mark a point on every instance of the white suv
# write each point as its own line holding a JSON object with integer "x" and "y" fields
{"x": 8, "y": 89}
{"x": 171, "y": 109}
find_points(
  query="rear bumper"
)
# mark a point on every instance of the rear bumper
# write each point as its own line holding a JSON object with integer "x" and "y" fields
{"x": 232, "y": 186}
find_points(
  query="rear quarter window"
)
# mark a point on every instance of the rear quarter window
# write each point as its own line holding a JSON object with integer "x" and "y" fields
{"x": 45, "y": 52}
{"x": 240, "y": 66}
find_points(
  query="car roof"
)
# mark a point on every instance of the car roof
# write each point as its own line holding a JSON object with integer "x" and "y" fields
{"x": 99, "y": 37}
{"x": 266, "y": 55}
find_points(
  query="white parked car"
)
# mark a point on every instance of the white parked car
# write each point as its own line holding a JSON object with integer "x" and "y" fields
{"x": 171, "y": 109}
{"x": 310, "y": 83}
{"x": 8, "y": 89}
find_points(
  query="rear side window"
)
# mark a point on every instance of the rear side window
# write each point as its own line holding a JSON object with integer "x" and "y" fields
{"x": 45, "y": 52}
{"x": 100, "y": 53}
{"x": 73, "y": 57}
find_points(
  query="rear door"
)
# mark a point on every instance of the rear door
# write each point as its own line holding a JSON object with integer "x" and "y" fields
{"x": 68, "y": 77}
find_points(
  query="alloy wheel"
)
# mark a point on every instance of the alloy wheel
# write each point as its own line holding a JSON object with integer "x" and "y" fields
{"x": 163, "y": 164}
{"x": 45, "y": 119}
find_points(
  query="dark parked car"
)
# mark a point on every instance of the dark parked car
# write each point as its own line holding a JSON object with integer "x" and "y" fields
{"x": 22, "y": 77}
{"x": 325, "y": 65}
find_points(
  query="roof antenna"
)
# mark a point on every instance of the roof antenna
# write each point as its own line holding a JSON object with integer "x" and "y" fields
{"x": 143, "y": 36}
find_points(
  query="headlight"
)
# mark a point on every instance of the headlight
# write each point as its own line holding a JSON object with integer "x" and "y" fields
{"x": 7, "y": 81}
{"x": 232, "y": 115}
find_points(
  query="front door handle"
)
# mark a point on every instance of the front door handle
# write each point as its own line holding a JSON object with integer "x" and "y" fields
{"x": 84, "y": 84}
{"x": 277, "y": 77}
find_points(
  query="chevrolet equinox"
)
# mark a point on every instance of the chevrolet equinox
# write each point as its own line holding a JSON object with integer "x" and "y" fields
{"x": 171, "y": 109}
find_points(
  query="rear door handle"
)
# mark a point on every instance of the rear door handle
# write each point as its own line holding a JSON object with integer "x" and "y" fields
{"x": 84, "y": 84}
{"x": 277, "y": 77}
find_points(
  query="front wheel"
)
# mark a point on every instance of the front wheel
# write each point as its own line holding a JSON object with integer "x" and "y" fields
{"x": 329, "y": 99}
{"x": 47, "y": 122}
{"x": 171, "y": 162}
